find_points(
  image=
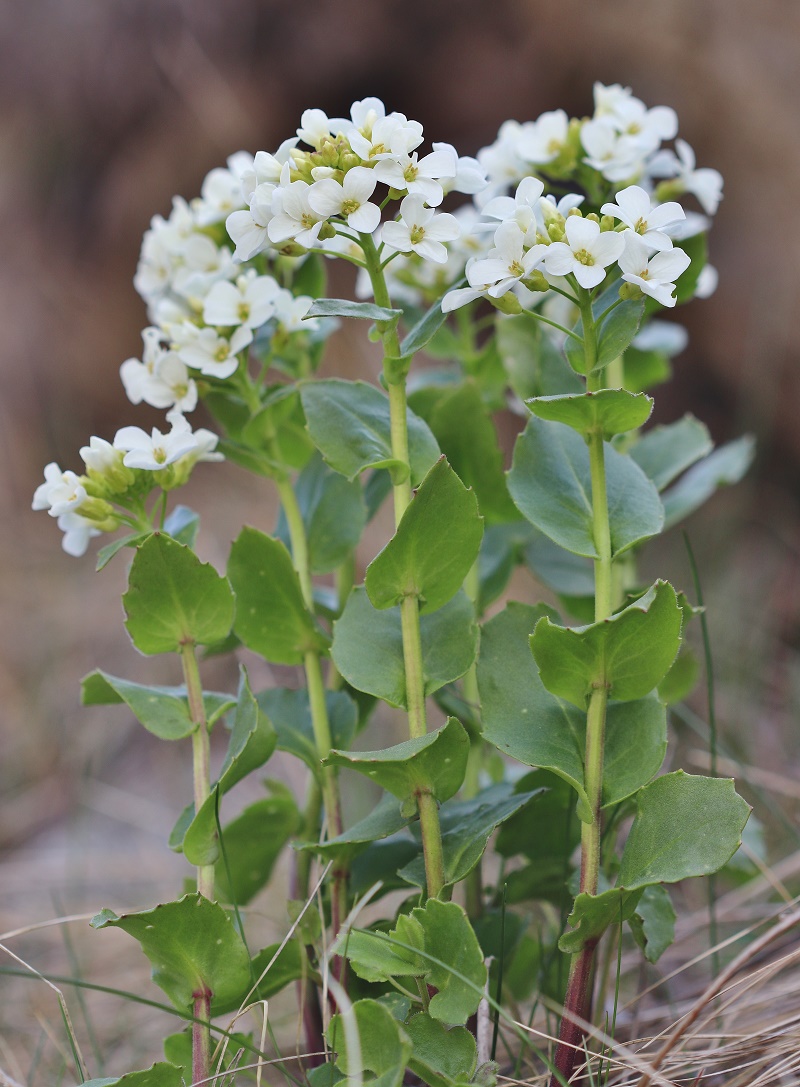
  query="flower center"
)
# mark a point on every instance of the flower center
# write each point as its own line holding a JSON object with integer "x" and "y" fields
{"x": 417, "y": 233}
{"x": 553, "y": 146}
{"x": 583, "y": 256}
{"x": 410, "y": 172}
{"x": 222, "y": 352}
{"x": 159, "y": 454}
{"x": 516, "y": 269}
{"x": 243, "y": 311}
{"x": 349, "y": 206}
{"x": 640, "y": 226}
{"x": 307, "y": 220}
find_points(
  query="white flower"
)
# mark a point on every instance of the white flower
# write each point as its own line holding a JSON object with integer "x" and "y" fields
{"x": 507, "y": 263}
{"x": 205, "y": 350}
{"x": 290, "y": 311}
{"x": 421, "y": 230}
{"x": 61, "y": 492}
{"x": 160, "y": 378}
{"x": 155, "y": 451}
{"x": 315, "y": 127}
{"x": 616, "y": 157}
{"x": 655, "y": 277}
{"x": 77, "y": 533}
{"x": 501, "y": 161}
{"x": 543, "y": 139}
{"x": 248, "y": 229}
{"x": 265, "y": 168}
{"x": 663, "y": 336}
{"x": 707, "y": 281}
{"x": 520, "y": 209}
{"x": 634, "y": 210}
{"x": 418, "y": 176}
{"x": 586, "y": 253}
{"x": 250, "y": 301}
{"x": 203, "y": 265}
{"x": 705, "y": 184}
{"x": 645, "y": 128}
{"x": 469, "y": 177}
{"x": 348, "y": 199}
{"x": 220, "y": 194}
{"x": 294, "y": 217}
{"x": 461, "y": 296}
{"x": 100, "y": 456}
{"x": 385, "y": 136}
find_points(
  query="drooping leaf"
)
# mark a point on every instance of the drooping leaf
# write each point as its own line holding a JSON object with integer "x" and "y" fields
{"x": 550, "y": 482}
{"x": 174, "y": 599}
{"x": 441, "y": 1057}
{"x": 271, "y": 616}
{"x": 343, "y": 307}
{"x": 593, "y": 914}
{"x": 435, "y": 763}
{"x": 434, "y": 546}
{"x": 653, "y": 923}
{"x": 613, "y": 411}
{"x": 685, "y": 826}
{"x": 383, "y": 1047}
{"x": 349, "y": 423}
{"x": 164, "y": 711}
{"x": 725, "y": 466}
{"x": 630, "y": 652}
{"x": 666, "y": 451}
{"x": 423, "y": 331}
{"x": 290, "y": 713}
{"x": 252, "y": 844}
{"x": 193, "y": 947}
{"x": 161, "y": 1074}
{"x": 368, "y": 646}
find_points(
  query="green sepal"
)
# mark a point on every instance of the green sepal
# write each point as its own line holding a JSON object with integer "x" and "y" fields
{"x": 434, "y": 764}
{"x": 686, "y": 825}
{"x": 289, "y": 710}
{"x": 252, "y": 843}
{"x": 725, "y": 466}
{"x": 653, "y": 923}
{"x": 434, "y": 547}
{"x": 550, "y": 483}
{"x": 343, "y": 307}
{"x": 271, "y": 615}
{"x": 368, "y": 646}
{"x": 383, "y": 1045}
{"x": 349, "y": 422}
{"x": 441, "y": 1057}
{"x": 612, "y": 411}
{"x": 161, "y": 1074}
{"x": 174, "y": 599}
{"x": 630, "y": 653}
{"x": 615, "y": 333}
{"x": 164, "y": 711}
{"x": 593, "y": 914}
{"x": 666, "y": 451}
{"x": 193, "y": 947}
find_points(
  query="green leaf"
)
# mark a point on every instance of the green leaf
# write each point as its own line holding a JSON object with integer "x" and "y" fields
{"x": 252, "y": 844}
{"x": 193, "y": 947}
{"x": 383, "y": 1046}
{"x": 434, "y": 547}
{"x": 653, "y": 924}
{"x": 279, "y": 966}
{"x": 158, "y": 1075}
{"x": 435, "y": 763}
{"x": 466, "y": 826}
{"x": 613, "y": 411}
{"x": 697, "y": 248}
{"x": 178, "y": 1050}
{"x": 423, "y": 331}
{"x": 666, "y": 451}
{"x": 174, "y": 599}
{"x": 383, "y": 821}
{"x": 614, "y": 334}
{"x": 635, "y": 746}
{"x": 645, "y": 369}
{"x": 350, "y": 425}
{"x": 271, "y": 616}
{"x": 164, "y": 711}
{"x": 441, "y": 1057}
{"x": 466, "y": 435}
{"x": 107, "y": 553}
{"x": 277, "y": 432}
{"x": 593, "y": 914}
{"x": 343, "y": 307}
{"x": 630, "y": 652}
{"x": 334, "y": 515}
{"x": 685, "y": 826}
{"x": 533, "y": 363}
{"x": 290, "y": 713}
{"x": 368, "y": 646}
{"x": 550, "y": 482}
{"x": 681, "y": 679}
{"x": 182, "y": 525}
{"x": 564, "y": 571}
{"x": 502, "y": 549}
{"x": 724, "y": 467}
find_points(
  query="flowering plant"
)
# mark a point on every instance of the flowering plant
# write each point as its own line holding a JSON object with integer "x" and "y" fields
{"x": 539, "y": 295}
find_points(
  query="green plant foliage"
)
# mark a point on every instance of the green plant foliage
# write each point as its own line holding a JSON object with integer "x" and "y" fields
{"x": 653, "y": 923}
{"x": 434, "y": 547}
{"x": 193, "y": 947}
{"x": 381, "y": 1047}
{"x": 164, "y": 711}
{"x": 252, "y": 844}
{"x": 290, "y": 713}
{"x": 550, "y": 482}
{"x": 343, "y": 307}
{"x": 435, "y": 763}
{"x": 593, "y": 914}
{"x": 271, "y": 616}
{"x": 274, "y": 968}
{"x": 368, "y": 646}
{"x": 502, "y": 549}
{"x": 681, "y": 679}
{"x": 161, "y": 1074}
{"x": 277, "y": 433}
{"x": 724, "y": 467}
{"x": 441, "y": 1057}
{"x": 174, "y": 599}
{"x": 423, "y": 331}
{"x": 673, "y": 838}
{"x": 612, "y": 411}
{"x": 384, "y": 820}
{"x": 614, "y": 332}
{"x": 645, "y": 369}
{"x": 563, "y": 571}
{"x": 532, "y": 362}
{"x": 630, "y": 653}
{"x": 666, "y": 451}
{"x": 350, "y": 425}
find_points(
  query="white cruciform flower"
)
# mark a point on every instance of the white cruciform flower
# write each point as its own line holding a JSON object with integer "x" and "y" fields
{"x": 386, "y": 136}
{"x": 349, "y": 200}
{"x": 248, "y": 228}
{"x": 155, "y": 451}
{"x": 507, "y": 263}
{"x": 290, "y": 311}
{"x": 60, "y": 493}
{"x": 521, "y": 208}
{"x": 421, "y": 230}
{"x": 705, "y": 184}
{"x": 418, "y": 176}
{"x": 294, "y": 217}
{"x": 469, "y": 177}
{"x": 250, "y": 301}
{"x": 265, "y": 167}
{"x": 205, "y": 350}
{"x": 160, "y": 378}
{"x": 586, "y": 253}
{"x": 634, "y": 210}
{"x": 315, "y": 127}
{"x": 77, "y": 533}
{"x": 655, "y": 277}
{"x": 543, "y": 139}
{"x": 616, "y": 157}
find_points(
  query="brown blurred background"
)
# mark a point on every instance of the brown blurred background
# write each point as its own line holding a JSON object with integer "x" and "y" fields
{"x": 111, "y": 106}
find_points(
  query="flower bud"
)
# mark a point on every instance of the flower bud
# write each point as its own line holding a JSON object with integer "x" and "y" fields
{"x": 347, "y": 160}
{"x": 593, "y": 216}
{"x": 508, "y": 303}
{"x": 669, "y": 190}
{"x": 578, "y": 213}
{"x": 556, "y": 232}
{"x": 328, "y": 230}
{"x": 608, "y": 222}
{"x": 100, "y": 513}
{"x": 536, "y": 281}
{"x": 630, "y": 292}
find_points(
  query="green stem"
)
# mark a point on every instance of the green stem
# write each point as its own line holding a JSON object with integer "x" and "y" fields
{"x": 471, "y": 786}
{"x": 409, "y": 609}
{"x": 201, "y": 998}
